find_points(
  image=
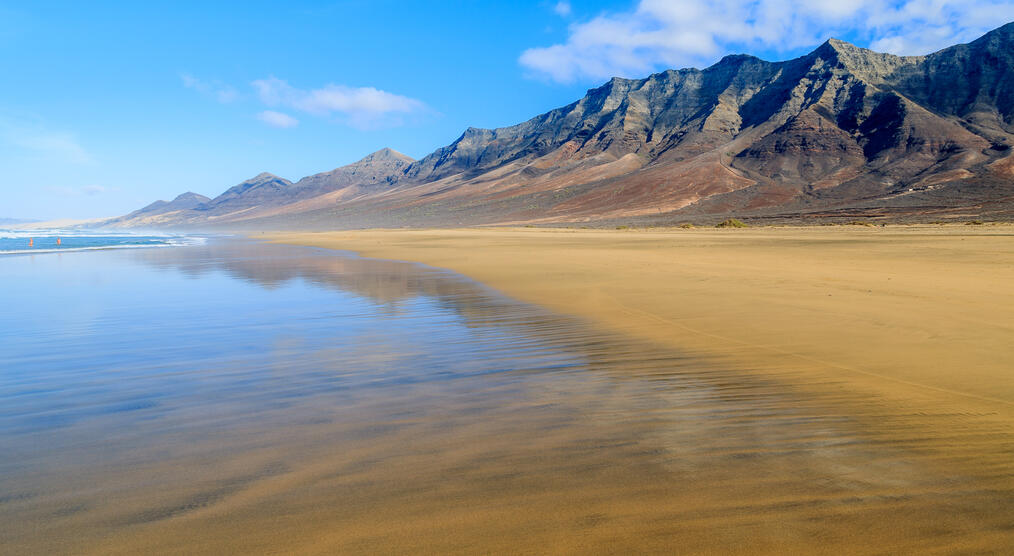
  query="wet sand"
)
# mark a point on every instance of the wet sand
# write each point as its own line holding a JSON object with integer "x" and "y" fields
{"x": 912, "y": 312}
{"x": 905, "y": 334}
{"x": 460, "y": 421}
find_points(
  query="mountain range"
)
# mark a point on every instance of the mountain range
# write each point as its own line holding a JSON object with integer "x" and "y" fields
{"x": 842, "y": 132}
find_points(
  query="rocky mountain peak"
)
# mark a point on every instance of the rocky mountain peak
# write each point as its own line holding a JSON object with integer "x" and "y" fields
{"x": 840, "y": 128}
{"x": 868, "y": 65}
{"x": 378, "y": 169}
{"x": 252, "y": 191}
{"x": 264, "y": 176}
{"x": 1004, "y": 33}
{"x": 184, "y": 202}
{"x": 735, "y": 60}
{"x": 190, "y": 196}
{"x": 385, "y": 155}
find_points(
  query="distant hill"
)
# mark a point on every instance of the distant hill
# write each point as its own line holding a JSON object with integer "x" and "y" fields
{"x": 160, "y": 212}
{"x": 267, "y": 195}
{"x": 14, "y": 221}
{"x": 841, "y": 132}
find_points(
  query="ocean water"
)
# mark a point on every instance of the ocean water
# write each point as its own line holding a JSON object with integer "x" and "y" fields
{"x": 20, "y": 241}
{"x": 238, "y": 397}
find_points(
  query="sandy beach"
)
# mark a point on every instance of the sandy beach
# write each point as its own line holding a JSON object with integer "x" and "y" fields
{"x": 710, "y": 396}
{"x": 920, "y": 314}
{"x": 615, "y": 278}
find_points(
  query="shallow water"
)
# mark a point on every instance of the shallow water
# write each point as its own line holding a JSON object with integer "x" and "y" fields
{"x": 43, "y": 241}
{"x": 242, "y": 397}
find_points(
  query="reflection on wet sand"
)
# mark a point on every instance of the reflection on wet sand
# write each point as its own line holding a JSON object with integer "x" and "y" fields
{"x": 460, "y": 421}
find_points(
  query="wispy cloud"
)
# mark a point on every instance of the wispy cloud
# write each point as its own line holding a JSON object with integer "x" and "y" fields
{"x": 680, "y": 33}
{"x": 362, "y": 107}
{"x": 219, "y": 91}
{"x": 53, "y": 145}
{"x": 87, "y": 190}
{"x": 562, "y": 8}
{"x": 92, "y": 190}
{"x": 277, "y": 119}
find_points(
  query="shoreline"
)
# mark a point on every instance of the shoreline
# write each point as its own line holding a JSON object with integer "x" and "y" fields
{"x": 919, "y": 314}
{"x": 348, "y": 404}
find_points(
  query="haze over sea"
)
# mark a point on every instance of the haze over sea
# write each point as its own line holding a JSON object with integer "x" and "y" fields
{"x": 240, "y": 396}
{"x": 53, "y": 240}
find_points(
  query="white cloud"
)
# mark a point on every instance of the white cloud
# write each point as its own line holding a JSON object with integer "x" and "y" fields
{"x": 680, "y": 33}
{"x": 220, "y": 92}
{"x": 87, "y": 190}
{"x": 277, "y": 119}
{"x": 363, "y": 107}
{"x": 58, "y": 146}
{"x": 562, "y": 8}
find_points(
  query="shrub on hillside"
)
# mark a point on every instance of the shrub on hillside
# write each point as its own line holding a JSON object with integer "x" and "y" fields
{"x": 732, "y": 223}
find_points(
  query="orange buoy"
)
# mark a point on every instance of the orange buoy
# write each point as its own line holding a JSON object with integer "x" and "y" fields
{"x": 31, "y": 242}
{"x": 58, "y": 241}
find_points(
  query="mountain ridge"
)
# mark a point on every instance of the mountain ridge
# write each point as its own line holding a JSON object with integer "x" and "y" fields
{"x": 840, "y": 131}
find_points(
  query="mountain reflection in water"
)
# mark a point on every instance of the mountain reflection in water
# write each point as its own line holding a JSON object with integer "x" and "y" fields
{"x": 240, "y": 396}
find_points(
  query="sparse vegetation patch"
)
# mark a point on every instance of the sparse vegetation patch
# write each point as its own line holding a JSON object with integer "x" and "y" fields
{"x": 732, "y": 223}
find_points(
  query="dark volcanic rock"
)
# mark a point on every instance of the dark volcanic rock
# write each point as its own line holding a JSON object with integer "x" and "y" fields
{"x": 253, "y": 192}
{"x": 841, "y": 130}
{"x": 377, "y": 171}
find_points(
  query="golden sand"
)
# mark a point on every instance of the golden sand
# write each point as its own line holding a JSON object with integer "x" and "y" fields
{"x": 909, "y": 312}
{"x": 904, "y": 336}
{"x": 833, "y": 391}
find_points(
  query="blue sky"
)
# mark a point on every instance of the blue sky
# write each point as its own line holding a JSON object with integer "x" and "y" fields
{"x": 108, "y": 106}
